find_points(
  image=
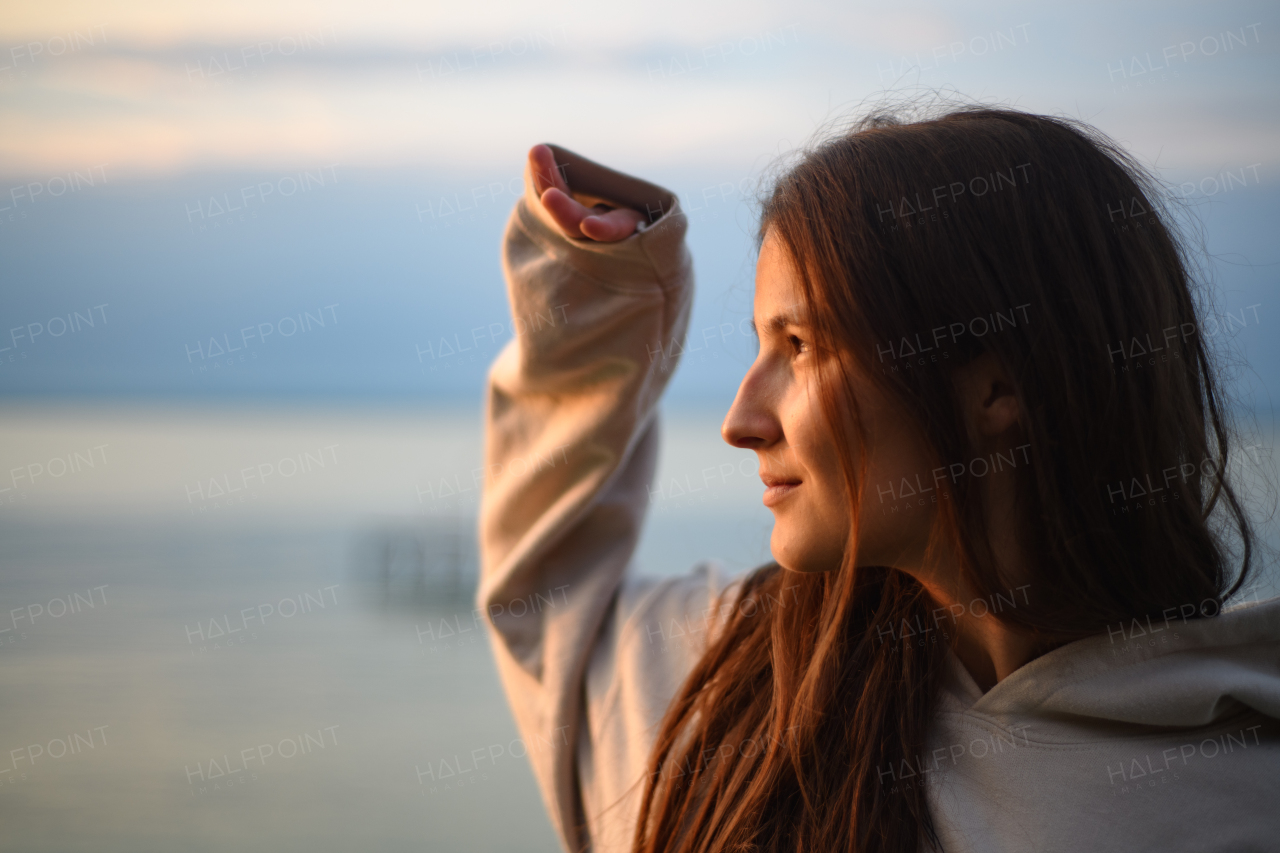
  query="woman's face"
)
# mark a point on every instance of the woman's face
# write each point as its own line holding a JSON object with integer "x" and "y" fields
{"x": 777, "y": 413}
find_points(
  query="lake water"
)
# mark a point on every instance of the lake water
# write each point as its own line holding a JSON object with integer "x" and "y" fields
{"x": 252, "y": 628}
{"x": 293, "y": 665}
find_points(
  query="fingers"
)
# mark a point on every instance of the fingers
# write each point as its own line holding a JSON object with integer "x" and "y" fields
{"x": 546, "y": 173}
{"x": 600, "y": 224}
{"x": 611, "y": 226}
{"x": 565, "y": 210}
{"x": 574, "y": 218}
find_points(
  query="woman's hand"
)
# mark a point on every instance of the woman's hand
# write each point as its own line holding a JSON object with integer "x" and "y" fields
{"x": 601, "y": 222}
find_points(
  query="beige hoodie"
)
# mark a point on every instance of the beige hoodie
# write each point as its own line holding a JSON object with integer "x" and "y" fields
{"x": 1164, "y": 735}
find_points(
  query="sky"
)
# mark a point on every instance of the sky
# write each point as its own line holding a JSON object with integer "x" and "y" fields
{"x": 188, "y": 170}
{"x": 169, "y": 87}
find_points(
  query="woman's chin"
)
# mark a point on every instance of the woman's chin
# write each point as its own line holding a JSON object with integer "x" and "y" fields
{"x": 801, "y": 560}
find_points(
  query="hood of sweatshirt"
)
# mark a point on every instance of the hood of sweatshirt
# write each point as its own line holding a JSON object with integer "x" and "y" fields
{"x": 1169, "y": 672}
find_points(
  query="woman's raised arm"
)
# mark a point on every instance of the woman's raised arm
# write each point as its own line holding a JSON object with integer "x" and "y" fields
{"x": 571, "y": 449}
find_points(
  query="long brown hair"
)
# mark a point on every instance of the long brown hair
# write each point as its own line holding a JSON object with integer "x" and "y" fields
{"x": 905, "y": 234}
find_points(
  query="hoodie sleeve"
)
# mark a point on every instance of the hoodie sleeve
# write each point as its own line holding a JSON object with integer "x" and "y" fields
{"x": 570, "y": 452}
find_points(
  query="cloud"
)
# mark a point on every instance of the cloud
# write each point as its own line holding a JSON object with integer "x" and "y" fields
{"x": 162, "y": 88}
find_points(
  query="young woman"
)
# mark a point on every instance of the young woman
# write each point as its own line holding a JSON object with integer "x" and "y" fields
{"x": 994, "y": 446}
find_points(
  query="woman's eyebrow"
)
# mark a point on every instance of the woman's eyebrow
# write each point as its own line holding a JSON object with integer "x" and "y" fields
{"x": 779, "y": 322}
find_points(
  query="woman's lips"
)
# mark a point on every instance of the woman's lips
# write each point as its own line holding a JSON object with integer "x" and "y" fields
{"x": 777, "y": 489}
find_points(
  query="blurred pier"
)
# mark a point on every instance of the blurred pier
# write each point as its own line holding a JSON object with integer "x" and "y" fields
{"x": 418, "y": 564}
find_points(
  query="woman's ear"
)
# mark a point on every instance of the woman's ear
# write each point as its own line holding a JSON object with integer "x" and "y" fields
{"x": 987, "y": 397}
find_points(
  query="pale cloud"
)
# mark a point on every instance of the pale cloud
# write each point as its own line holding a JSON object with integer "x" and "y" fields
{"x": 164, "y": 87}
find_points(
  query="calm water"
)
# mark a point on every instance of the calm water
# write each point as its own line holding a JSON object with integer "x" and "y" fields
{"x": 290, "y": 666}
{"x": 233, "y": 685}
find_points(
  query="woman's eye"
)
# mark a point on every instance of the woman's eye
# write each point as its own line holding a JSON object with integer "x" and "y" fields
{"x": 797, "y": 344}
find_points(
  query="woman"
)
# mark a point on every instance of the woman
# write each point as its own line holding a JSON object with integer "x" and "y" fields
{"x": 991, "y": 439}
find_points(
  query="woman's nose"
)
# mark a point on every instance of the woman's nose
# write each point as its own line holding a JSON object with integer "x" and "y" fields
{"x": 752, "y": 422}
